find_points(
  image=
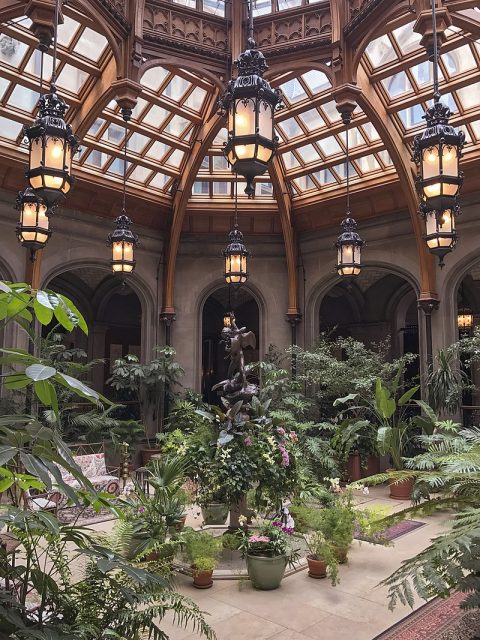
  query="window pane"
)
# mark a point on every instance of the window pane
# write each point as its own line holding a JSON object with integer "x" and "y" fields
{"x": 312, "y": 119}
{"x": 71, "y": 78}
{"x": 408, "y": 40}
{"x": 308, "y": 153}
{"x": 91, "y": 45}
{"x": 380, "y": 51}
{"x": 291, "y": 128}
{"x": 469, "y": 96}
{"x": 293, "y": 91}
{"x": 316, "y": 81}
{"x": 11, "y": 50}
{"x": 153, "y": 78}
{"x": 330, "y": 146}
{"x": 397, "y": 84}
{"x": 458, "y": 61}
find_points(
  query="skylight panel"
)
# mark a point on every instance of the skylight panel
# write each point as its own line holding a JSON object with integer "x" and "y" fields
{"x": 175, "y": 159}
{"x": 221, "y": 138}
{"x": 67, "y": 31}
{"x": 154, "y": 78}
{"x": 23, "y": 98}
{"x": 97, "y": 159}
{"x": 290, "y": 161}
{"x": 117, "y": 167}
{"x": 459, "y": 60}
{"x": 469, "y": 96}
{"x": 220, "y": 163}
{"x": 196, "y": 99}
{"x": 304, "y": 183}
{"x": 221, "y": 188}
{"x": 476, "y": 129}
{"x": 91, "y": 45}
{"x": 12, "y": 51}
{"x": 330, "y": 146}
{"x": 312, "y": 119}
{"x": 96, "y": 126}
{"x": 201, "y": 188}
{"x": 186, "y": 3}
{"x": 423, "y": 74}
{"x": 262, "y": 7}
{"x": 370, "y": 131}
{"x": 308, "y": 153}
{"x": 140, "y": 174}
{"x": 367, "y": 164}
{"x": 293, "y": 91}
{"x": 380, "y": 51}
{"x": 137, "y": 142}
{"x": 139, "y": 108}
{"x": 9, "y": 129}
{"x": 341, "y": 170}
{"x": 407, "y": 39}
{"x": 331, "y": 112}
{"x": 324, "y": 176}
{"x": 216, "y": 7}
{"x": 34, "y": 65}
{"x": 4, "y": 84}
{"x": 156, "y": 116}
{"x": 412, "y": 116}
{"x": 114, "y": 134}
{"x": 159, "y": 181}
{"x": 176, "y": 88}
{"x": 397, "y": 85}
{"x": 355, "y": 139}
{"x": 158, "y": 150}
{"x": 385, "y": 158}
{"x": 72, "y": 79}
{"x": 288, "y": 4}
{"x": 290, "y": 128}
{"x": 316, "y": 81}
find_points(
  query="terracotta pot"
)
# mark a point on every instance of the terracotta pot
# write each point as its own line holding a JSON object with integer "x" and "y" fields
{"x": 401, "y": 490}
{"x": 373, "y": 467}
{"x": 181, "y": 523}
{"x": 202, "y": 579}
{"x": 341, "y": 554}
{"x": 316, "y": 568}
{"x": 147, "y": 455}
{"x": 354, "y": 468}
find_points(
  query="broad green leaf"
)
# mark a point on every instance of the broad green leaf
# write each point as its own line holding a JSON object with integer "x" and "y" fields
{"x": 62, "y": 317}
{"x": 39, "y": 372}
{"x": 5, "y": 484}
{"x": 43, "y": 391}
{"x": 80, "y": 320}
{"x": 407, "y": 396}
{"x": 4, "y": 287}
{"x": 75, "y": 385}
{"x": 345, "y": 399}
{"x": 43, "y": 298}
{"x": 43, "y": 314}
{"x": 17, "y": 381}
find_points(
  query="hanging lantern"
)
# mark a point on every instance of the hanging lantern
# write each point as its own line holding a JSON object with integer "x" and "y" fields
{"x": 465, "y": 319}
{"x": 33, "y": 227}
{"x": 123, "y": 242}
{"x": 236, "y": 256}
{"x": 52, "y": 146}
{"x": 228, "y": 319}
{"x": 250, "y": 103}
{"x": 349, "y": 246}
{"x": 437, "y": 151}
{"x": 441, "y": 236}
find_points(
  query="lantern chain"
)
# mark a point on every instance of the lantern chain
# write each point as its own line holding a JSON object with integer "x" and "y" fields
{"x": 126, "y": 114}
{"x": 55, "y": 38}
{"x": 250, "y": 42}
{"x": 436, "y": 92}
{"x": 347, "y": 171}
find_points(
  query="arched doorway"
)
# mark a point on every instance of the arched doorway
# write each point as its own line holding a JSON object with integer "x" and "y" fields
{"x": 467, "y": 316}
{"x": 375, "y": 305}
{"x": 113, "y": 313}
{"x": 214, "y": 364}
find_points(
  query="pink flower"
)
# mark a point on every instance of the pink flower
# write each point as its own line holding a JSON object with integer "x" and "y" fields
{"x": 259, "y": 539}
{"x": 280, "y": 431}
{"x": 248, "y": 441}
{"x": 285, "y": 456}
{"x": 293, "y": 436}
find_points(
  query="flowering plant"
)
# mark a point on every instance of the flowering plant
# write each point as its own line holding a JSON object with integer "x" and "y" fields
{"x": 271, "y": 540}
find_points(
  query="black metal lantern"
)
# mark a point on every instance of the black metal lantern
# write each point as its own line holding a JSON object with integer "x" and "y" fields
{"x": 250, "y": 103}
{"x": 437, "y": 151}
{"x": 228, "y": 319}
{"x": 349, "y": 246}
{"x": 33, "y": 226}
{"x": 52, "y": 146}
{"x": 236, "y": 255}
{"x": 465, "y": 319}
{"x": 123, "y": 242}
{"x": 441, "y": 236}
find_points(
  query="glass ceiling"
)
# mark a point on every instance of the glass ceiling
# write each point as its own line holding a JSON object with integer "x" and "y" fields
{"x": 173, "y": 104}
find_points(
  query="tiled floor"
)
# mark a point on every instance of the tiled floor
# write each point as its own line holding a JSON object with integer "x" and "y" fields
{"x": 306, "y": 609}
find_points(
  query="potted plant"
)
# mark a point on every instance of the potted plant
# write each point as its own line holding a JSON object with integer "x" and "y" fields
{"x": 149, "y": 384}
{"x": 322, "y": 559}
{"x": 231, "y": 546}
{"x": 337, "y": 525}
{"x": 202, "y": 550}
{"x": 268, "y": 552}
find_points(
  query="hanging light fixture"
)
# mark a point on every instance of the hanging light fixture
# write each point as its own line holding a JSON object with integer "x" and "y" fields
{"x": 33, "y": 226}
{"x": 250, "y": 103}
{"x": 349, "y": 244}
{"x": 441, "y": 235}
{"x": 122, "y": 240}
{"x": 464, "y": 315}
{"x": 228, "y": 319}
{"x": 51, "y": 141}
{"x": 236, "y": 253}
{"x": 437, "y": 152}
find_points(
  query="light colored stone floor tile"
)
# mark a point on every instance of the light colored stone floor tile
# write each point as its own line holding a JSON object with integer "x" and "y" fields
{"x": 245, "y": 626}
{"x": 337, "y": 628}
{"x": 349, "y": 606}
{"x": 276, "y": 606}
{"x": 289, "y": 634}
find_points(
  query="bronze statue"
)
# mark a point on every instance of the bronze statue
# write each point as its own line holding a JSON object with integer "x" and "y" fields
{"x": 236, "y": 386}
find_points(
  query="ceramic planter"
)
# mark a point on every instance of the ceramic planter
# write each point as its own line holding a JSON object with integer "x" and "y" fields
{"x": 202, "y": 579}
{"x": 316, "y": 568}
{"x": 215, "y": 513}
{"x": 266, "y": 573}
{"x": 401, "y": 490}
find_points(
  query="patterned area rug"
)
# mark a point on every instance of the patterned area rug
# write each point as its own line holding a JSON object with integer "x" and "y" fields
{"x": 84, "y": 517}
{"x": 395, "y": 531}
{"x": 437, "y": 620}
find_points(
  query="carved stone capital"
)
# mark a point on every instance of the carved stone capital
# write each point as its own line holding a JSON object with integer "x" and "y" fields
{"x": 168, "y": 317}
{"x": 42, "y": 15}
{"x": 126, "y": 92}
{"x": 293, "y": 318}
{"x": 428, "y": 305}
{"x": 424, "y": 26}
{"x": 346, "y": 97}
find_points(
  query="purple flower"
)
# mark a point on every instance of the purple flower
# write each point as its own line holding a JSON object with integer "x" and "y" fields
{"x": 259, "y": 539}
{"x": 248, "y": 441}
{"x": 285, "y": 456}
{"x": 280, "y": 431}
{"x": 288, "y": 530}
{"x": 141, "y": 509}
{"x": 293, "y": 436}
{"x": 277, "y": 524}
